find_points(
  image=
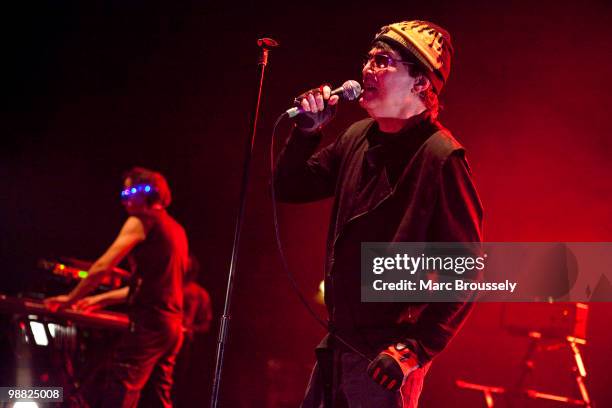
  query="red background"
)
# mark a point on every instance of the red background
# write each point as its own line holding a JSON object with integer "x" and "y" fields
{"x": 95, "y": 88}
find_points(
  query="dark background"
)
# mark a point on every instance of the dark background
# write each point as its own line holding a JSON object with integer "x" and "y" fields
{"x": 93, "y": 88}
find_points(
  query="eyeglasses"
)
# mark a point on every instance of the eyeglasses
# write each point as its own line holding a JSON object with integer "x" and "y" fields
{"x": 131, "y": 191}
{"x": 382, "y": 61}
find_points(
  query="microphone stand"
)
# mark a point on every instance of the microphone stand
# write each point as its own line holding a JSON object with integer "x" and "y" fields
{"x": 265, "y": 44}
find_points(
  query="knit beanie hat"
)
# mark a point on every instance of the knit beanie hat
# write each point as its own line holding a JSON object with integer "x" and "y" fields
{"x": 429, "y": 43}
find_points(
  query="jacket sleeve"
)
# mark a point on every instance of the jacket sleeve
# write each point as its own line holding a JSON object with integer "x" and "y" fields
{"x": 457, "y": 218}
{"x": 301, "y": 175}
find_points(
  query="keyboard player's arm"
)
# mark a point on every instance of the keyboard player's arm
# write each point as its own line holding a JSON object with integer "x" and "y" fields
{"x": 102, "y": 300}
{"x": 132, "y": 233}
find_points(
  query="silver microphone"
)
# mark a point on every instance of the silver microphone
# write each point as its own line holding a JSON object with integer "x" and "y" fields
{"x": 349, "y": 91}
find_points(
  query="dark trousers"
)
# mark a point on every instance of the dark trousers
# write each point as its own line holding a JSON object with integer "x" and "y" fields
{"x": 148, "y": 353}
{"x": 340, "y": 380}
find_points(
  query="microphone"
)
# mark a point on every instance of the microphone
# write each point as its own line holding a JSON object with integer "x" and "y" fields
{"x": 349, "y": 91}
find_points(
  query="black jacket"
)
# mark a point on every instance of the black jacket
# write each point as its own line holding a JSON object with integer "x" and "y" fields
{"x": 418, "y": 189}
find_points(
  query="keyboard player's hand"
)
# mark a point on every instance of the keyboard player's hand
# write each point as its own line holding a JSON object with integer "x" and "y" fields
{"x": 88, "y": 304}
{"x": 57, "y": 302}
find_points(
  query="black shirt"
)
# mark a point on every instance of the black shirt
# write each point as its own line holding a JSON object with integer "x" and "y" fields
{"x": 161, "y": 260}
{"x": 389, "y": 153}
{"x": 417, "y": 188}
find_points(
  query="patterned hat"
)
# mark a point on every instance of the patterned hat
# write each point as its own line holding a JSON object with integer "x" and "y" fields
{"x": 429, "y": 43}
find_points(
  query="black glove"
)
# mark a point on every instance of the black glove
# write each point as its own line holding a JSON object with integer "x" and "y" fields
{"x": 392, "y": 365}
{"x": 309, "y": 122}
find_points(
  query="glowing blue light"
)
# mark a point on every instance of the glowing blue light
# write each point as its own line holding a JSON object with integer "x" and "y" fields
{"x": 137, "y": 189}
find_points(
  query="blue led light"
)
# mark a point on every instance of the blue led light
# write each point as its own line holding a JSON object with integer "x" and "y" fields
{"x": 140, "y": 188}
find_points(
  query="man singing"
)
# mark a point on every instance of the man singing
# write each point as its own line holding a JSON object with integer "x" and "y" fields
{"x": 398, "y": 176}
{"x": 159, "y": 247}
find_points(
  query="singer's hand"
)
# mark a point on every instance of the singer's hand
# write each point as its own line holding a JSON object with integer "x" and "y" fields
{"x": 319, "y": 109}
{"x": 314, "y": 100}
{"x": 392, "y": 365}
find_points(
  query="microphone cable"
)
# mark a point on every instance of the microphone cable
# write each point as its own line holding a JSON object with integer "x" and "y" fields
{"x": 281, "y": 252}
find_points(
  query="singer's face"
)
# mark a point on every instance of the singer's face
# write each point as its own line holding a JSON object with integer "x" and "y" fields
{"x": 387, "y": 90}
